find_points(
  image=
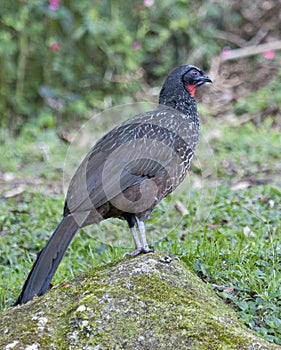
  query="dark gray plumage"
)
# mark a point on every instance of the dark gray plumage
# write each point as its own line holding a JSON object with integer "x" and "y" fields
{"x": 127, "y": 173}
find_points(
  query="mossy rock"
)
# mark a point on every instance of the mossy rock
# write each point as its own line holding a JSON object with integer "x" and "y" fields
{"x": 146, "y": 302}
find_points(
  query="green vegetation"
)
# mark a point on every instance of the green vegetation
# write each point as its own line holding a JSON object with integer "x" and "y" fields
{"x": 88, "y": 55}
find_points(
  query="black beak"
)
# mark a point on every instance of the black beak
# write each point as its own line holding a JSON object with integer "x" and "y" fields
{"x": 203, "y": 79}
{"x": 207, "y": 79}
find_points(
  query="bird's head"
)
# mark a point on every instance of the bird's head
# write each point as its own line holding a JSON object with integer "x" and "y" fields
{"x": 193, "y": 78}
{"x": 182, "y": 83}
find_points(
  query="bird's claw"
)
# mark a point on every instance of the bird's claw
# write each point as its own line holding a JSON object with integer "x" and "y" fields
{"x": 141, "y": 250}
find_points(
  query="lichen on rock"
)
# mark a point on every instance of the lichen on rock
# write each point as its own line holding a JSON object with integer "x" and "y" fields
{"x": 146, "y": 302}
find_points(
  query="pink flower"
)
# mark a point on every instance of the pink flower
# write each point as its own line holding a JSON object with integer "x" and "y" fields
{"x": 225, "y": 51}
{"x": 54, "y": 5}
{"x": 148, "y": 3}
{"x": 269, "y": 55}
{"x": 136, "y": 45}
{"x": 54, "y": 47}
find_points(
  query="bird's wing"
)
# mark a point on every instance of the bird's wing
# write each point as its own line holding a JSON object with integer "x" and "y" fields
{"x": 129, "y": 154}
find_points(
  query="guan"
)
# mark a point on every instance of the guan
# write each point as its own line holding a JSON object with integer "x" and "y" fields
{"x": 127, "y": 172}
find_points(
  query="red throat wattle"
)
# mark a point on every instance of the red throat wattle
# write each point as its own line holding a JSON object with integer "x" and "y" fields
{"x": 191, "y": 88}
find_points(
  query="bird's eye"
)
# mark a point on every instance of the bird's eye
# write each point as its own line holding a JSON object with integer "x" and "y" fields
{"x": 195, "y": 73}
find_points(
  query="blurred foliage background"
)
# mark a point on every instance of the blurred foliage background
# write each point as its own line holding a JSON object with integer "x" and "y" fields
{"x": 61, "y": 60}
{"x": 66, "y": 58}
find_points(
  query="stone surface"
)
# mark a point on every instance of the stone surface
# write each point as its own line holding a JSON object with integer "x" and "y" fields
{"x": 146, "y": 302}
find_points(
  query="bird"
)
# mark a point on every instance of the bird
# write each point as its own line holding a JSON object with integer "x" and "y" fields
{"x": 127, "y": 173}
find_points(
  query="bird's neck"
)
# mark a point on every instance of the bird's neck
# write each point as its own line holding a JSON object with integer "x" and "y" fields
{"x": 185, "y": 105}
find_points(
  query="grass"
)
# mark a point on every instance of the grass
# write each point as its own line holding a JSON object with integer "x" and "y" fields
{"x": 230, "y": 234}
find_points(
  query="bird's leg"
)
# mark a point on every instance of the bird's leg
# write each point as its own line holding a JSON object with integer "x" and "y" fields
{"x": 144, "y": 246}
{"x": 140, "y": 242}
{"x": 137, "y": 242}
{"x": 131, "y": 219}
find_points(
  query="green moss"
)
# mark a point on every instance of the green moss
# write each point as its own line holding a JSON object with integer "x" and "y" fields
{"x": 141, "y": 302}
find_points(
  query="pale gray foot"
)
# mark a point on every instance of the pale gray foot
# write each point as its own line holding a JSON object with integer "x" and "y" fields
{"x": 140, "y": 251}
{"x": 140, "y": 243}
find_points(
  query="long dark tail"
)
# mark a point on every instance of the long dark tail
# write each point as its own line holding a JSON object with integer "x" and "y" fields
{"x": 47, "y": 262}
